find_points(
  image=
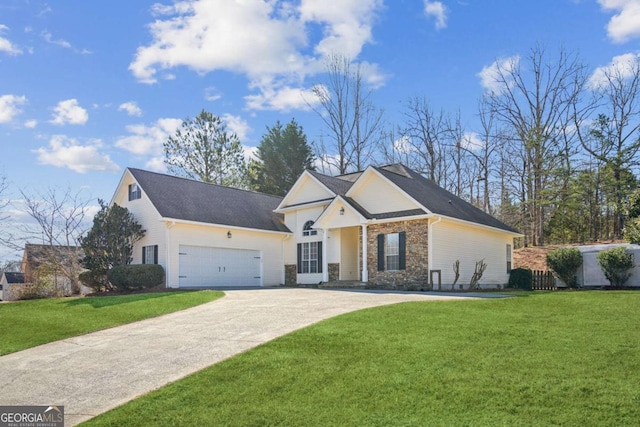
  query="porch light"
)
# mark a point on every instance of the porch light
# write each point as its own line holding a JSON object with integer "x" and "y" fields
{"x": 342, "y": 211}
{"x": 228, "y": 234}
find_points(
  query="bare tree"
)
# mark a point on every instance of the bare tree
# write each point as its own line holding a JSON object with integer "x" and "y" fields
{"x": 614, "y": 138}
{"x": 538, "y": 101}
{"x": 425, "y": 132}
{"x": 346, "y": 108}
{"x": 59, "y": 219}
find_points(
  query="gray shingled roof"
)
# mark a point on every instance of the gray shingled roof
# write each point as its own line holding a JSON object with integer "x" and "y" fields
{"x": 336, "y": 184}
{"x": 437, "y": 199}
{"x": 189, "y": 200}
{"x": 13, "y": 277}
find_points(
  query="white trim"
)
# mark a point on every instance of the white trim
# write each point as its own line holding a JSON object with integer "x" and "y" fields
{"x": 483, "y": 226}
{"x": 304, "y": 205}
{"x": 231, "y": 227}
{"x": 365, "y": 253}
{"x": 297, "y": 184}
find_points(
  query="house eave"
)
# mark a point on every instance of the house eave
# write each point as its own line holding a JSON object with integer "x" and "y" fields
{"x": 227, "y": 226}
{"x": 305, "y": 205}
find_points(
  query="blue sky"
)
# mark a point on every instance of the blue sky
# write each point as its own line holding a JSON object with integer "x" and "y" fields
{"x": 88, "y": 88}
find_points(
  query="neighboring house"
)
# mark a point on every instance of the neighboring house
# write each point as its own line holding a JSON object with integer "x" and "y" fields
{"x": 9, "y": 283}
{"x": 386, "y": 226}
{"x": 51, "y": 266}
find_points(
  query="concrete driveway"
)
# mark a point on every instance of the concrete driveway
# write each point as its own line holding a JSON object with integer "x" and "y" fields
{"x": 93, "y": 373}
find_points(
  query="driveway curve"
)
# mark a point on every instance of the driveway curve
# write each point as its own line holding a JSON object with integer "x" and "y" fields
{"x": 93, "y": 373}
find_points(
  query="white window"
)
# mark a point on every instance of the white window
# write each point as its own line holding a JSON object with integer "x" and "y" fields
{"x": 307, "y": 230}
{"x": 150, "y": 254}
{"x": 392, "y": 251}
{"x": 134, "y": 192}
{"x": 310, "y": 257}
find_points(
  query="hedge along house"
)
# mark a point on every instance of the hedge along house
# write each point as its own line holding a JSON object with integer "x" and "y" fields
{"x": 391, "y": 228}
{"x": 388, "y": 227}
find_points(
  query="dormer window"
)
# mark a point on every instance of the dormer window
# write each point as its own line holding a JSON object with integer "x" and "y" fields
{"x": 307, "y": 230}
{"x": 134, "y": 192}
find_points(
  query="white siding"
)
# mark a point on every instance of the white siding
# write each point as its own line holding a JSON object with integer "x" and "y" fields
{"x": 453, "y": 241}
{"x": 307, "y": 189}
{"x": 269, "y": 244}
{"x": 377, "y": 195}
{"x": 146, "y": 214}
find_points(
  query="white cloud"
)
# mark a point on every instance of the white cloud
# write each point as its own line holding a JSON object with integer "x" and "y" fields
{"x": 48, "y": 37}
{"x": 131, "y": 108}
{"x": 156, "y": 164}
{"x": 625, "y": 24}
{"x": 212, "y": 94}
{"x": 65, "y": 152}
{"x": 492, "y": 77}
{"x": 30, "y": 124}
{"x": 437, "y": 10}
{"x": 148, "y": 140}
{"x": 237, "y": 125}
{"x": 281, "y": 99}
{"x": 250, "y": 153}
{"x": 347, "y": 27}
{"x": 621, "y": 65}
{"x": 471, "y": 141}
{"x": 10, "y": 107}
{"x": 6, "y": 45}
{"x": 273, "y": 50}
{"x": 403, "y": 145}
{"x": 69, "y": 112}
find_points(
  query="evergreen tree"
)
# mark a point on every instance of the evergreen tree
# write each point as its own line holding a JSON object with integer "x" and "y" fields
{"x": 203, "y": 149}
{"x": 283, "y": 154}
{"x": 110, "y": 241}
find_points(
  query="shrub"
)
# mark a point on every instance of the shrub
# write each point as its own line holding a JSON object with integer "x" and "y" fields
{"x": 136, "y": 276}
{"x": 521, "y": 278}
{"x": 95, "y": 279}
{"x": 565, "y": 263}
{"x": 615, "y": 264}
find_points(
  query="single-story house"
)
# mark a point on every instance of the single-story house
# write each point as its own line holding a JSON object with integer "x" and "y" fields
{"x": 9, "y": 281}
{"x": 388, "y": 227}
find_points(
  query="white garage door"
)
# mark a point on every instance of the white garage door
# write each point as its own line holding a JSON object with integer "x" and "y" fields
{"x": 205, "y": 266}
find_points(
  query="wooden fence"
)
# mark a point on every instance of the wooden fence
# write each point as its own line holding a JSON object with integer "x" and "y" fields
{"x": 544, "y": 281}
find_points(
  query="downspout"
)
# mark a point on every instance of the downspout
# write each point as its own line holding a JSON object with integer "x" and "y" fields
{"x": 430, "y": 248}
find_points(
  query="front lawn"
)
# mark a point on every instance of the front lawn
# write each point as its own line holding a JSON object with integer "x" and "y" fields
{"x": 563, "y": 358}
{"x": 27, "y": 324}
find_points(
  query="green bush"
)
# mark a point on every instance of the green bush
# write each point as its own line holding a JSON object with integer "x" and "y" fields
{"x": 96, "y": 280}
{"x": 615, "y": 264}
{"x": 521, "y": 278}
{"x": 564, "y": 263}
{"x": 136, "y": 276}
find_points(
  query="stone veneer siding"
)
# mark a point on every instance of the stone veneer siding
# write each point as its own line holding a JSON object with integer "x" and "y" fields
{"x": 334, "y": 272}
{"x": 416, "y": 274}
{"x": 290, "y": 274}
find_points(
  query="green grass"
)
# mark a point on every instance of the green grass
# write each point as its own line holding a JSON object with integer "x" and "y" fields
{"x": 27, "y": 324}
{"x": 564, "y": 358}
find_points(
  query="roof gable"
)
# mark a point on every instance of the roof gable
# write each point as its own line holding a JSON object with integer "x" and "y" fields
{"x": 377, "y": 195}
{"x": 189, "y": 200}
{"x": 310, "y": 187}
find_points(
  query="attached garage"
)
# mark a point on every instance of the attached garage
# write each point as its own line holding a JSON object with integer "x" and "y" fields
{"x": 202, "y": 266}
